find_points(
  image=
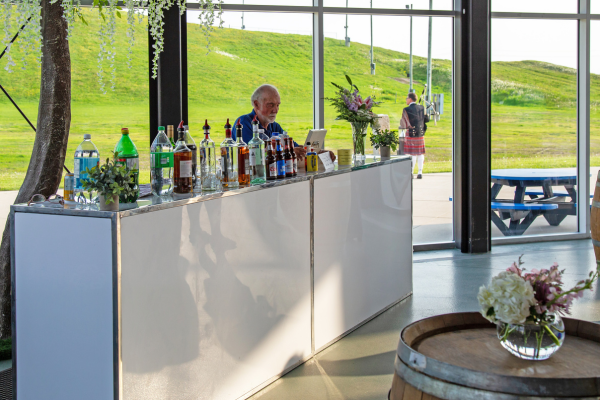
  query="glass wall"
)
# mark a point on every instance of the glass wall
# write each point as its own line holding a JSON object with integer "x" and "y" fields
{"x": 534, "y": 127}
{"x": 594, "y": 104}
{"x": 535, "y": 6}
{"x": 273, "y": 48}
{"x": 101, "y": 115}
{"x": 432, "y": 206}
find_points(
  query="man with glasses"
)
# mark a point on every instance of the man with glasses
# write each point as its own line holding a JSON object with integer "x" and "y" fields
{"x": 413, "y": 120}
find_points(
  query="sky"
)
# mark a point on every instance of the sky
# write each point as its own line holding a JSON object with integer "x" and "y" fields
{"x": 553, "y": 41}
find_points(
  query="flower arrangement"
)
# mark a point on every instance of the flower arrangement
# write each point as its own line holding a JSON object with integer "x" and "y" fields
{"x": 110, "y": 180}
{"x": 351, "y": 107}
{"x": 522, "y": 302}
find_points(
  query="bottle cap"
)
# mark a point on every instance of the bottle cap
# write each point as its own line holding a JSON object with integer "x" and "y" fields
{"x": 180, "y": 126}
{"x": 186, "y": 127}
{"x": 86, "y": 136}
{"x": 273, "y": 134}
{"x": 206, "y": 127}
{"x": 161, "y": 128}
{"x": 125, "y": 131}
{"x": 227, "y": 125}
{"x": 238, "y": 125}
{"x": 255, "y": 121}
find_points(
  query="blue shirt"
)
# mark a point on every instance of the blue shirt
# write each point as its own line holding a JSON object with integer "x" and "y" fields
{"x": 246, "y": 121}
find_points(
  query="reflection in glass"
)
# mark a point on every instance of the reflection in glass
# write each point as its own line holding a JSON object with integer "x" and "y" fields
{"x": 432, "y": 212}
{"x": 443, "y": 5}
{"x": 534, "y": 126}
{"x": 274, "y": 48}
{"x": 594, "y": 103}
{"x": 535, "y": 6}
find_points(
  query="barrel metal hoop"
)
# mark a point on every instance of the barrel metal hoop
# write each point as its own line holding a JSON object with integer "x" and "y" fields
{"x": 450, "y": 391}
{"x": 595, "y": 242}
{"x": 596, "y": 204}
{"x": 598, "y": 182}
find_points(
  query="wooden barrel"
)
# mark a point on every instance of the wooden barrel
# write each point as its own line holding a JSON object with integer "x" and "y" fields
{"x": 459, "y": 357}
{"x": 595, "y": 221}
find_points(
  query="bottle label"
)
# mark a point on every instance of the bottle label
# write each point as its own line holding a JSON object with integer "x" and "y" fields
{"x": 281, "y": 167}
{"x": 81, "y": 164}
{"x": 295, "y": 165}
{"x": 312, "y": 163}
{"x": 161, "y": 160}
{"x": 185, "y": 169}
{"x": 289, "y": 166}
{"x": 132, "y": 164}
{"x": 273, "y": 170}
{"x": 255, "y": 157}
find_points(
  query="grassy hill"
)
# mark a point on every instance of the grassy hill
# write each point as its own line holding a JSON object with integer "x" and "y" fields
{"x": 534, "y": 103}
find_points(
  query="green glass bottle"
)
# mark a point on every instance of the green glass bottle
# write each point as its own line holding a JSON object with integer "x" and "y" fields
{"x": 129, "y": 157}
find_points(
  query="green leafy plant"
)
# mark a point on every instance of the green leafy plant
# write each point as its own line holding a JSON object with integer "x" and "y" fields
{"x": 385, "y": 138}
{"x": 110, "y": 179}
{"x": 5, "y": 349}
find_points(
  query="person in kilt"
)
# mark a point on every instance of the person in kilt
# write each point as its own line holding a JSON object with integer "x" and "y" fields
{"x": 414, "y": 121}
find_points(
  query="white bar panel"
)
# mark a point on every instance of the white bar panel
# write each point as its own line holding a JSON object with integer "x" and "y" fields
{"x": 362, "y": 246}
{"x": 64, "y": 307}
{"x": 215, "y": 295}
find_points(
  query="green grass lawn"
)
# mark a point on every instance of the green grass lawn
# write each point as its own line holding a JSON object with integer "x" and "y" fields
{"x": 533, "y": 112}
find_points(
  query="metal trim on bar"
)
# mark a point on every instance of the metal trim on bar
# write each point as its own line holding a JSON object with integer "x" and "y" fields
{"x": 13, "y": 304}
{"x": 540, "y": 238}
{"x": 596, "y": 204}
{"x": 595, "y": 242}
{"x": 116, "y": 299}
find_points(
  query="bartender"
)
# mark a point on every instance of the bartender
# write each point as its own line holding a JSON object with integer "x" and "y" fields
{"x": 265, "y": 102}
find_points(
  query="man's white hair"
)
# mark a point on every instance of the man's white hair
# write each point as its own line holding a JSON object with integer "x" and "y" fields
{"x": 259, "y": 92}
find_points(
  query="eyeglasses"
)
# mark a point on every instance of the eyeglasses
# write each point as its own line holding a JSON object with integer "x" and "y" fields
{"x": 40, "y": 200}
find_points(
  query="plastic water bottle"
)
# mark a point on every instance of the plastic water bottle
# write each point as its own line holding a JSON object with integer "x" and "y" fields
{"x": 86, "y": 156}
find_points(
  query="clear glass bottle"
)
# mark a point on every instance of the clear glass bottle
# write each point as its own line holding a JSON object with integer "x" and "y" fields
{"x": 130, "y": 158}
{"x": 86, "y": 156}
{"x": 256, "y": 147}
{"x": 182, "y": 164}
{"x": 294, "y": 157}
{"x": 161, "y": 164}
{"x": 229, "y": 160}
{"x": 243, "y": 157}
{"x": 208, "y": 161}
{"x": 191, "y": 144}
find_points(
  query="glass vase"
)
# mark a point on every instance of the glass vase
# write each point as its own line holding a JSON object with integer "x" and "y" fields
{"x": 359, "y": 133}
{"x": 533, "y": 340}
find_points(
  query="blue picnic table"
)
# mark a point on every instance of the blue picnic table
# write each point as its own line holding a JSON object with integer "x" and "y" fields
{"x": 521, "y": 212}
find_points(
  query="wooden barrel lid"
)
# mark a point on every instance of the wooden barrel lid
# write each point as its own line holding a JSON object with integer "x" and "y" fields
{"x": 464, "y": 349}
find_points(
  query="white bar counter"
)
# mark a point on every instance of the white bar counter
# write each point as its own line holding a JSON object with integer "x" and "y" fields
{"x": 211, "y": 297}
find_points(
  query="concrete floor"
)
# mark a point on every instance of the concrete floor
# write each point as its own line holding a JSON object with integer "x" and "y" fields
{"x": 360, "y": 366}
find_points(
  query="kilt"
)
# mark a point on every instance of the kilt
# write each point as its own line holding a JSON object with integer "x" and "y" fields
{"x": 414, "y": 146}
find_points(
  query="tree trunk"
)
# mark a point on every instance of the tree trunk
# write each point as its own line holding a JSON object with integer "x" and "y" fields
{"x": 48, "y": 156}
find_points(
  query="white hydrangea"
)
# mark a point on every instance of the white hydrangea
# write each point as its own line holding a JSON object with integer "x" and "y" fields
{"x": 509, "y": 295}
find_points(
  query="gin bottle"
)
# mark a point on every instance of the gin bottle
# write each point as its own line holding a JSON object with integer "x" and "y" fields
{"x": 208, "y": 161}
{"x": 229, "y": 160}
{"x": 86, "y": 156}
{"x": 182, "y": 160}
{"x": 256, "y": 147}
{"x": 161, "y": 164}
{"x": 243, "y": 157}
{"x": 129, "y": 157}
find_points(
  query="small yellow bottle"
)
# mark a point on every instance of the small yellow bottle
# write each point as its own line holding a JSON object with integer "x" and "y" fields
{"x": 312, "y": 162}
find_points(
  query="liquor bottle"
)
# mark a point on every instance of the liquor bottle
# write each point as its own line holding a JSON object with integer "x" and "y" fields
{"x": 271, "y": 162}
{"x": 86, "y": 156}
{"x": 191, "y": 144}
{"x": 262, "y": 135}
{"x": 289, "y": 161}
{"x": 182, "y": 162}
{"x": 208, "y": 161}
{"x": 229, "y": 160}
{"x": 129, "y": 157}
{"x": 279, "y": 159}
{"x": 243, "y": 157}
{"x": 294, "y": 157}
{"x": 171, "y": 134}
{"x": 161, "y": 164}
{"x": 256, "y": 147}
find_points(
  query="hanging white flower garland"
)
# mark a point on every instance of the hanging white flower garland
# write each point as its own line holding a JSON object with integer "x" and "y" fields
{"x": 15, "y": 13}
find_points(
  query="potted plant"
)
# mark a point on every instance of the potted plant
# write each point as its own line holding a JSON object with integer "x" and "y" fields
{"x": 109, "y": 180}
{"x": 384, "y": 141}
